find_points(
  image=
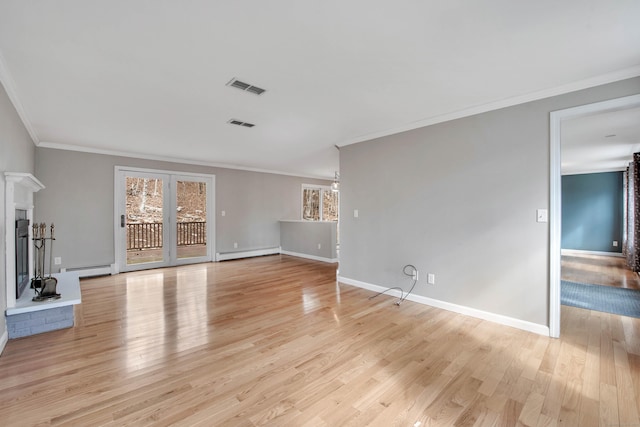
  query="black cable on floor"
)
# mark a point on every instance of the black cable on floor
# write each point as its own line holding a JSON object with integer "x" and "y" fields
{"x": 413, "y": 273}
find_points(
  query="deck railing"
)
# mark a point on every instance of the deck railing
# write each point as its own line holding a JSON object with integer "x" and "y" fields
{"x": 192, "y": 233}
{"x": 149, "y": 235}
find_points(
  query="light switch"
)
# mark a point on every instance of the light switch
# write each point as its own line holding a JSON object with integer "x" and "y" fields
{"x": 542, "y": 215}
{"x": 223, "y": 213}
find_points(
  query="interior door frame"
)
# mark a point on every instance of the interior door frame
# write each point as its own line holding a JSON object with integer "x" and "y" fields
{"x": 555, "y": 198}
{"x": 168, "y": 232}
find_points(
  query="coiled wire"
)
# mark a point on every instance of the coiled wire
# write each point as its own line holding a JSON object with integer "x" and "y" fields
{"x": 413, "y": 273}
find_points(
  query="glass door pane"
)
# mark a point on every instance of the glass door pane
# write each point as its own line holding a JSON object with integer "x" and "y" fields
{"x": 191, "y": 219}
{"x": 143, "y": 220}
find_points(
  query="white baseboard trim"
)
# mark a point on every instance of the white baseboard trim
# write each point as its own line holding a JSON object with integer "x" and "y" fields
{"x": 307, "y": 256}
{"x": 225, "y": 256}
{"x": 4, "y": 339}
{"x": 467, "y": 311}
{"x": 581, "y": 252}
{"x": 101, "y": 270}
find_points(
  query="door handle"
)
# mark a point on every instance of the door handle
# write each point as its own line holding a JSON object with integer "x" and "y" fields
{"x": 122, "y": 221}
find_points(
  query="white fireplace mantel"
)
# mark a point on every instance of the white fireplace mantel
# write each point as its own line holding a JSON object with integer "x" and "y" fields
{"x": 19, "y": 190}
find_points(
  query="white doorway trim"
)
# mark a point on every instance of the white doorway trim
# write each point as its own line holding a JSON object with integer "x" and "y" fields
{"x": 555, "y": 202}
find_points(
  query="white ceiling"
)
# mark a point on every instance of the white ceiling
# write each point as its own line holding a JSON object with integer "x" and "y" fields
{"x": 599, "y": 143}
{"x": 148, "y": 77}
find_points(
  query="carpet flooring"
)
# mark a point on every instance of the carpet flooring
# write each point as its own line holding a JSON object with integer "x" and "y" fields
{"x": 625, "y": 302}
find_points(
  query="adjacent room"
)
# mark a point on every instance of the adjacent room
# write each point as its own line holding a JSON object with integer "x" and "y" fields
{"x": 599, "y": 267}
{"x": 336, "y": 213}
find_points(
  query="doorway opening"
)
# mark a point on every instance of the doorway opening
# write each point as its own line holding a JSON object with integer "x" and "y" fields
{"x": 555, "y": 205}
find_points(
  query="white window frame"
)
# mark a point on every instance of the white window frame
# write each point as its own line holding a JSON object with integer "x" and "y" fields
{"x": 315, "y": 187}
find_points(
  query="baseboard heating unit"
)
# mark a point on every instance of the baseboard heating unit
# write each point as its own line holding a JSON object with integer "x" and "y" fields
{"x": 99, "y": 270}
{"x": 225, "y": 256}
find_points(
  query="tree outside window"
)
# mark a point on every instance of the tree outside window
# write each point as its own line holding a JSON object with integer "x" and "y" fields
{"x": 319, "y": 203}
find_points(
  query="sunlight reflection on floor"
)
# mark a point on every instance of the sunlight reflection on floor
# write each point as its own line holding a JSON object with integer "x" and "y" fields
{"x": 149, "y": 297}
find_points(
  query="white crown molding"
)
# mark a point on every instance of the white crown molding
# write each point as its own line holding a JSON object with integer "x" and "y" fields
{"x": 70, "y": 147}
{"x": 626, "y": 73}
{"x": 461, "y": 309}
{"x": 10, "y": 87}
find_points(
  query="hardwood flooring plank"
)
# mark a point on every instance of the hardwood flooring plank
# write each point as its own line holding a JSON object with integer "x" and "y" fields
{"x": 599, "y": 270}
{"x": 609, "y": 405}
{"x": 531, "y": 410}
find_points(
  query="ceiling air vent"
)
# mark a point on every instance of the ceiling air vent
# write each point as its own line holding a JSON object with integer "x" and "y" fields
{"x": 246, "y": 87}
{"x": 240, "y": 123}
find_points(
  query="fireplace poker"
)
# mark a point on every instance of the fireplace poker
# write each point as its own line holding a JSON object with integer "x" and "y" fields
{"x": 51, "y": 251}
{"x": 50, "y": 283}
{"x": 37, "y": 243}
{"x": 43, "y": 236}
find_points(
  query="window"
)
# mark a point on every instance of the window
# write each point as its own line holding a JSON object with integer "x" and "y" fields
{"x": 319, "y": 203}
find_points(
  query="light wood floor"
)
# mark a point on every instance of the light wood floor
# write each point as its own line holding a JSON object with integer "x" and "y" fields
{"x": 274, "y": 341}
{"x": 599, "y": 270}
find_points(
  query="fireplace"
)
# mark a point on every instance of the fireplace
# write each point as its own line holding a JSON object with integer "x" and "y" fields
{"x": 24, "y": 316}
{"x": 22, "y": 251}
{"x": 18, "y": 193}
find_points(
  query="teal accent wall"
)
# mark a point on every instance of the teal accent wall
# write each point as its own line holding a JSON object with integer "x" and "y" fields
{"x": 592, "y": 211}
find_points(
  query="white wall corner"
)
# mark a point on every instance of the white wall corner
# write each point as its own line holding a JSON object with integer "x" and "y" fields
{"x": 460, "y": 309}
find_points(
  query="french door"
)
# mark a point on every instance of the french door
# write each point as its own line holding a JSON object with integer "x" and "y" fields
{"x": 162, "y": 218}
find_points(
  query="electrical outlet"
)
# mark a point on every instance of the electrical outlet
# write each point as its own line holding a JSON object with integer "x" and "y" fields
{"x": 431, "y": 279}
{"x": 223, "y": 213}
{"x": 57, "y": 260}
{"x": 615, "y": 243}
{"x": 235, "y": 245}
{"x": 319, "y": 246}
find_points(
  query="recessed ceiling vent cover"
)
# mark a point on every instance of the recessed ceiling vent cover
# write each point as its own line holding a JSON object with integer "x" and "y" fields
{"x": 240, "y": 123}
{"x": 246, "y": 87}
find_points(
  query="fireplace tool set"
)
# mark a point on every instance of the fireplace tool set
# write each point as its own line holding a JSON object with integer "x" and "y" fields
{"x": 44, "y": 286}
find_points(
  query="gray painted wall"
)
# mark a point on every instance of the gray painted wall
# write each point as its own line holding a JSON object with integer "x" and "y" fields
{"x": 592, "y": 214}
{"x": 80, "y": 193}
{"x": 17, "y": 153}
{"x": 303, "y": 237}
{"x": 459, "y": 199}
